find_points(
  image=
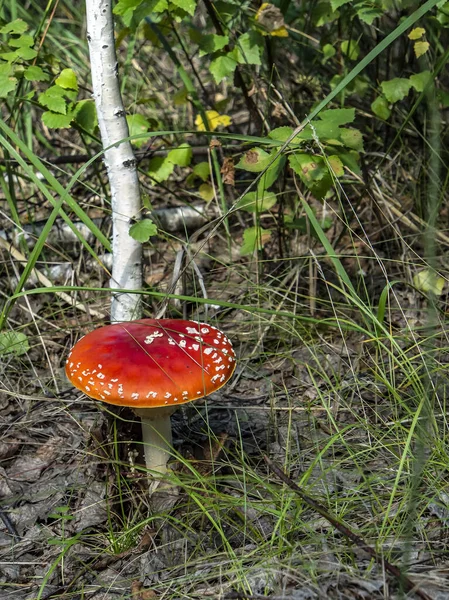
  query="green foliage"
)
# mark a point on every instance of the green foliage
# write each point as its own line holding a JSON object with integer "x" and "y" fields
{"x": 13, "y": 342}
{"x": 254, "y": 238}
{"x": 255, "y": 203}
{"x": 137, "y": 125}
{"x": 181, "y": 156}
{"x": 160, "y": 169}
{"x": 143, "y": 230}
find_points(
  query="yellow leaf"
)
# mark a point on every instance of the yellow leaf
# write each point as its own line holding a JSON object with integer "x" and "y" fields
{"x": 214, "y": 120}
{"x": 421, "y": 48}
{"x": 271, "y": 19}
{"x": 281, "y": 32}
{"x": 206, "y": 192}
{"x": 416, "y": 33}
{"x": 428, "y": 281}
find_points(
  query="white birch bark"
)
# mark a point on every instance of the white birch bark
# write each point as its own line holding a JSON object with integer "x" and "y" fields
{"x": 120, "y": 161}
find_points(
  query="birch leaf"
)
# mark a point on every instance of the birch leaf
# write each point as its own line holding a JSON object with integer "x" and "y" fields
{"x": 55, "y": 120}
{"x": 214, "y": 120}
{"x": 202, "y": 170}
{"x": 67, "y": 80}
{"x": 380, "y": 108}
{"x": 421, "y": 48}
{"x": 416, "y": 33}
{"x": 396, "y": 89}
{"x": 187, "y": 5}
{"x": 181, "y": 156}
{"x": 421, "y": 80}
{"x": 222, "y": 67}
{"x": 160, "y": 169}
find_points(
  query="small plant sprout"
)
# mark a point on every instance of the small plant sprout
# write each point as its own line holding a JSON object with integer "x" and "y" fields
{"x": 152, "y": 366}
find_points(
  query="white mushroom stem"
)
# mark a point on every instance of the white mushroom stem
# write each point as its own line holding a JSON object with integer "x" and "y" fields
{"x": 157, "y": 438}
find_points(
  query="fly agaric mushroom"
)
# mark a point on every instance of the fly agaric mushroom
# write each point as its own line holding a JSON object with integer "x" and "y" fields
{"x": 152, "y": 366}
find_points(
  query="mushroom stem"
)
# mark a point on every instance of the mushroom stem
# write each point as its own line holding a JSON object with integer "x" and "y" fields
{"x": 156, "y": 436}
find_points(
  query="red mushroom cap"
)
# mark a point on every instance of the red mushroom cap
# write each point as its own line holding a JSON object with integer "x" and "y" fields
{"x": 151, "y": 362}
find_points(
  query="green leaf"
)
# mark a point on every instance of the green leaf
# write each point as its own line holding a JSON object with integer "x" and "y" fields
{"x": 125, "y": 7}
{"x": 160, "y": 169}
{"x": 211, "y": 43}
{"x": 380, "y": 108}
{"x": 351, "y": 49}
{"x": 248, "y": 49}
{"x": 9, "y": 56}
{"x": 281, "y": 134}
{"x": 17, "y": 26}
{"x": 143, "y": 230}
{"x": 137, "y": 124}
{"x": 396, "y": 89}
{"x": 206, "y": 192}
{"x": 336, "y": 165}
{"x": 429, "y": 281}
{"x": 53, "y": 98}
{"x": 421, "y": 80}
{"x": 352, "y": 138}
{"x": 313, "y": 172}
{"x": 328, "y": 52}
{"x": 256, "y": 203}
{"x": 26, "y": 53}
{"x": 368, "y": 14}
{"x": 271, "y": 174}
{"x": 181, "y": 156}
{"x": 337, "y": 3}
{"x": 254, "y": 161}
{"x": 85, "y": 115}
{"x": 323, "y": 13}
{"x": 350, "y": 160}
{"x": 222, "y": 67}
{"x": 13, "y": 342}
{"x": 254, "y": 238}
{"x": 202, "y": 170}
{"x": 7, "y": 85}
{"x": 67, "y": 80}
{"x": 187, "y": 5}
{"x": 138, "y": 10}
{"x": 24, "y": 41}
{"x": 34, "y": 73}
{"x": 56, "y": 120}
{"x": 338, "y": 116}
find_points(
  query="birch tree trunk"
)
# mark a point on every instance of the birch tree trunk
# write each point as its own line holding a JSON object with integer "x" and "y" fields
{"x": 120, "y": 161}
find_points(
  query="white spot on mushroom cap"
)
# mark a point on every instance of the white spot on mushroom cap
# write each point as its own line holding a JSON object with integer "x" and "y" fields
{"x": 208, "y": 350}
{"x": 100, "y": 375}
{"x": 150, "y": 338}
{"x": 135, "y": 396}
{"x": 100, "y": 366}
{"x": 204, "y": 330}
{"x": 192, "y": 331}
{"x": 182, "y": 343}
{"x": 195, "y": 347}
{"x": 167, "y": 395}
